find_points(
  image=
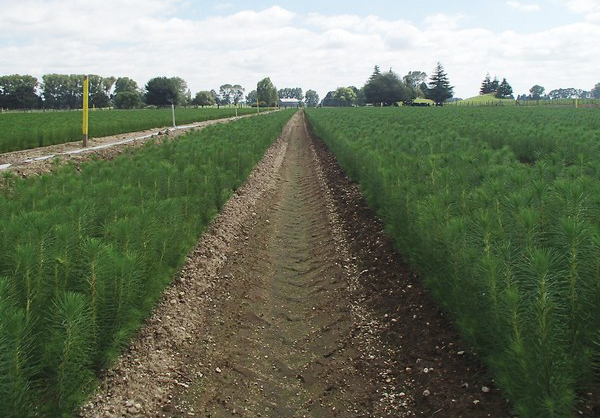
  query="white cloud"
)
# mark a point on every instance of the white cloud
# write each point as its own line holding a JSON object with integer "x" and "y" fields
{"x": 589, "y": 8}
{"x": 441, "y": 21}
{"x": 145, "y": 39}
{"x": 523, "y": 7}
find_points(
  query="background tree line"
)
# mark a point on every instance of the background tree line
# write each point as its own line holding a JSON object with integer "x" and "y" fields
{"x": 388, "y": 89}
{"x": 538, "y": 92}
{"x": 65, "y": 91}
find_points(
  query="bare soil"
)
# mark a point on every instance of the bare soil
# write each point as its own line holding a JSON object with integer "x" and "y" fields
{"x": 295, "y": 304}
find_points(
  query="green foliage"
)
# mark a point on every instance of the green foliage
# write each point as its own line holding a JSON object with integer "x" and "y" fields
{"x": 499, "y": 209}
{"x": 164, "y": 91}
{"x": 439, "y": 89}
{"x": 536, "y": 92}
{"x": 290, "y": 93}
{"x": 345, "y": 96}
{"x": 19, "y": 92}
{"x": 595, "y": 92}
{"x": 128, "y": 100}
{"x": 85, "y": 254}
{"x": 123, "y": 84}
{"x": 30, "y": 130}
{"x": 61, "y": 91}
{"x": 312, "y": 98}
{"x": 486, "y": 85}
{"x": 387, "y": 89}
{"x": 504, "y": 90}
{"x": 69, "y": 350}
{"x": 266, "y": 92}
{"x": 203, "y": 98}
{"x": 230, "y": 94}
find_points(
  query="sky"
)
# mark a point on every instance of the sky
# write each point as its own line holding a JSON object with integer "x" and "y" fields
{"x": 318, "y": 45}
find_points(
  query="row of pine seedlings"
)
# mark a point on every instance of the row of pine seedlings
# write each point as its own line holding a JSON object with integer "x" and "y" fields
{"x": 86, "y": 252}
{"x": 20, "y": 131}
{"x": 499, "y": 211}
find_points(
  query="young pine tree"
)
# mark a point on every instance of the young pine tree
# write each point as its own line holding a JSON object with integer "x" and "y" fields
{"x": 439, "y": 89}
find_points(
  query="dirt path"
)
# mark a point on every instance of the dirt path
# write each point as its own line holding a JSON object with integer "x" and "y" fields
{"x": 285, "y": 330}
{"x": 294, "y": 304}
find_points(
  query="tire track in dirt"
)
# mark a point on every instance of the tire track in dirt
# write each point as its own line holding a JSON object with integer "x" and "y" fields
{"x": 285, "y": 332}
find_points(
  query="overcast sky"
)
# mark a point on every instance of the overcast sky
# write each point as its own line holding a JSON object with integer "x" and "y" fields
{"x": 311, "y": 44}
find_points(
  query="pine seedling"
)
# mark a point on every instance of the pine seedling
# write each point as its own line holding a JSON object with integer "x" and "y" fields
{"x": 69, "y": 351}
{"x": 16, "y": 368}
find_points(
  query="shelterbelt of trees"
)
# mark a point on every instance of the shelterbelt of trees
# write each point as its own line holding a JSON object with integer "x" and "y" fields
{"x": 62, "y": 91}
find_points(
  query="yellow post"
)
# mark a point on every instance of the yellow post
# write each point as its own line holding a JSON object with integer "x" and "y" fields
{"x": 86, "y": 88}
{"x": 576, "y": 103}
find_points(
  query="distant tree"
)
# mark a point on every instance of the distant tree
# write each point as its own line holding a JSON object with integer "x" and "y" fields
{"x": 387, "y": 89}
{"x": 128, "y": 100}
{"x": 536, "y": 92}
{"x": 361, "y": 99}
{"x": 163, "y": 91}
{"x": 486, "y": 85}
{"x": 216, "y": 97}
{"x": 251, "y": 98}
{"x": 345, "y": 96}
{"x": 19, "y": 92}
{"x": 203, "y": 98}
{"x": 290, "y": 93}
{"x": 505, "y": 90}
{"x": 266, "y": 92}
{"x": 183, "y": 93}
{"x": 494, "y": 85}
{"x": 225, "y": 94}
{"x": 439, "y": 89}
{"x": 127, "y": 94}
{"x": 237, "y": 94}
{"x": 376, "y": 73}
{"x": 100, "y": 90}
{"x": 584, "y": 94}
{"x": 312, "y": 98}
{"x": 568, "y": 93}
{"x": 595, "y": 93}
{"x": 329, "y": 100}
{"x": 61, "y": 91}
{"x": 231, "y": 94}
{"x": 125, "y": 84}
{"x": 414, "y": 79}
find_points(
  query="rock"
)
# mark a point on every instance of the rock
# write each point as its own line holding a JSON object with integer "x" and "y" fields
{"x": 218, "y": 370}
{"x": 173, "y": 301}
{"x": 426, "y": 392}
{"x": 475, "y": 402}
{"x": 485, "y": 389}
{"x": 129, "y": 403}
